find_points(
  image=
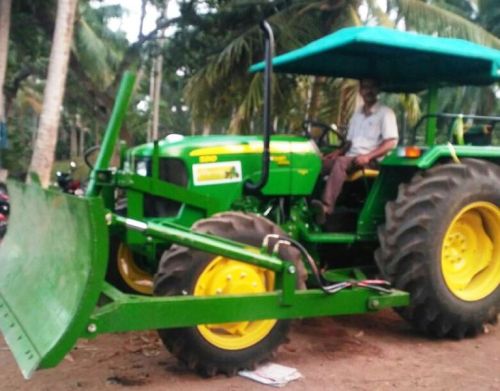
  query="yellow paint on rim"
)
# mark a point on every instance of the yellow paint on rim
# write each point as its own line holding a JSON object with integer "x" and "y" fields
{"x": 133, "y": 275}
{"x": 224, "y": 276}
{"x": 470, "y": 255}
{"x": 255, "y": 147}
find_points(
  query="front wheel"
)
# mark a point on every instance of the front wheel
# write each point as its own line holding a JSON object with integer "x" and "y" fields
{"x": 123, "y": 271}
{"x": 441, "y": 243}
{"x": 223, "y": 348}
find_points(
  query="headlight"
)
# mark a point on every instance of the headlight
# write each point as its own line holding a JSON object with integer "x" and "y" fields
{"x": 141, "y": 168}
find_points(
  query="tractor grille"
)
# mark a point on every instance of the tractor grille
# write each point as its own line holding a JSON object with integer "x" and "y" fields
{"x": 173, "y": 171}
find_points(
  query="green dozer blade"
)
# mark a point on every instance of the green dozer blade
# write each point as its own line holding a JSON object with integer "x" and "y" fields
{"x": 52, "y": 267}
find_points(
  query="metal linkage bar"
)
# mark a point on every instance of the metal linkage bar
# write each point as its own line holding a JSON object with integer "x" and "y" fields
{"x": 211, "y": 244}
{"x": 143, "y": 313}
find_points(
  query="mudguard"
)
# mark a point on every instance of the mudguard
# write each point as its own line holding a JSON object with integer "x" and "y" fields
{"x": 52, "y": 266}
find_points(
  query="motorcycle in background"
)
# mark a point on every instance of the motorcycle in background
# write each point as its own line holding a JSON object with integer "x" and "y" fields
{"x": 67, "y": 183}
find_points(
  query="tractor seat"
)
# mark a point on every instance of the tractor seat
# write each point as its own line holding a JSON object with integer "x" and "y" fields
{"x": 366, "y": 173}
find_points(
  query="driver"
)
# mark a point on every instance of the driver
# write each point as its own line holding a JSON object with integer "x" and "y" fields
{"x": 372, "y": 133}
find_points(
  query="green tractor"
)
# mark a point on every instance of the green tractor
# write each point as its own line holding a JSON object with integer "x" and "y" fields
{"x": 212, "y": 239}
{"x": 430, "y": 215}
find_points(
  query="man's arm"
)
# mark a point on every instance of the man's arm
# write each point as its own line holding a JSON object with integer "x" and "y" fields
{"x": 381, "y": 150}
{"x": 338, "y": 152}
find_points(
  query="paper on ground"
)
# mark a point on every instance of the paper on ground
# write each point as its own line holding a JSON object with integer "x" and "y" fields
{"x": 272, "y": 374}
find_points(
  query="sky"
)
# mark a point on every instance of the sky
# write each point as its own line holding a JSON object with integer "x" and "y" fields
{"x": 131, "y": 20}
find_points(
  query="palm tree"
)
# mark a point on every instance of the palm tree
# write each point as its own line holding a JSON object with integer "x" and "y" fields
{"x": 5, "y": 6}
{"x": 442, "y": 18}
{"x": 222, "y": 87}
{"x": 43, "y": 154}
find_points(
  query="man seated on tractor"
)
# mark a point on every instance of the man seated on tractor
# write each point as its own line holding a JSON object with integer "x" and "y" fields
{"x": 372, "y": 133}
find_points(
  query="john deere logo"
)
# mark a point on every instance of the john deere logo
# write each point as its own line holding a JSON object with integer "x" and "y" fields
{"x": 216, "y": 173}
{"x": 232, "y": 173}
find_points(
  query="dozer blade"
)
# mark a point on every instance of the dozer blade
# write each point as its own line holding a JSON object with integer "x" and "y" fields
{"x": 52, "y": 266}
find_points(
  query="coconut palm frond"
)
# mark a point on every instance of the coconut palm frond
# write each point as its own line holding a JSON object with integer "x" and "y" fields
{"x": 227, "y": 69}
{"x": 331, "y": 102}
{"x": 427, "y": 18}
{"x": 349, "y": 97}
{"x": 98, "y": 49}
{"x": 198, "y": 93}
{"x": 29, "y": 97}
{"x": 411, "y": 107}
{"x": 253, "y": 96}
{"x": 380, "y": 17}
{"x": 98, "y": 18}
{"x": 489, "y": 15}
{"x": 339, "y": 98}
{"x": 96, "y": 58}
{"x": 464, "y": 8}
{"x": 351, "y": 17}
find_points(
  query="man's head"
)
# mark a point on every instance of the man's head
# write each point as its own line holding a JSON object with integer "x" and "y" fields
{"x": 369, "y": 89}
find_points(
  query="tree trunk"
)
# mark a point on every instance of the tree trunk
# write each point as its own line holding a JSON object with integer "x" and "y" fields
{"x": 158, "y": 75}
{"x": 43, "y": 154}
{"x": 143, "y": 15}
{"x": 151, "y": 100}
{"x": 236, "y": 121}
{"x": 73, "y": 141}
{"x": 314, "y": 97}
{"x": 158, "y": 70}
{"x": 5, "y": 6}
{"x": 207, "y": 129}
{"x": 81, "y": 142}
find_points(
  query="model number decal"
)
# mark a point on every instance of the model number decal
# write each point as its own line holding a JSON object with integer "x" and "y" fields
{"x": 216, "y": 173}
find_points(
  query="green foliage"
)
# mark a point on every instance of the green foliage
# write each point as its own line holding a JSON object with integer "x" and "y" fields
{"x": 98, "y": 50}
{"x": 96, "y": 55}
{"x": 205, "y": 79}
{"x": 489, "y": 16}
{"x": 431, "y": 19}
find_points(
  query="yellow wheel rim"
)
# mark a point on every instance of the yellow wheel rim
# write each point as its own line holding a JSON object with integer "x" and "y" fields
{"x": 133, "y": 275}
{"x": 225, "y": 276}
{"x": 470, "y": 256}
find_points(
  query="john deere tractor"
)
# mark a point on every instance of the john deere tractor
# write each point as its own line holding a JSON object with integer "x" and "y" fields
{"x": 430, "y": 214}
{"x": 220, "y": 232}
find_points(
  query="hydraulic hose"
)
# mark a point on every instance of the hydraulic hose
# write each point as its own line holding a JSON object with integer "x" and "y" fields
{"x": 375, "y": 284}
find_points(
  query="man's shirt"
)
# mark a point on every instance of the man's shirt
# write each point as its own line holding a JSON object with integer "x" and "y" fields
{"x": 367, "y": 132}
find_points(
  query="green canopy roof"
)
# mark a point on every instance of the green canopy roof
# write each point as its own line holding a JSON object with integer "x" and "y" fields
{"x": 401, "y": 61}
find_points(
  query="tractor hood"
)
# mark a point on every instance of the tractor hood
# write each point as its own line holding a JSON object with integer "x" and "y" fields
{"x": 199, "y": 147}
{"x": 212, "y": 162}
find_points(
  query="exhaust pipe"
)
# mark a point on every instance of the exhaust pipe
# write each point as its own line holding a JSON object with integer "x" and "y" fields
{"x": 266, "y": 155}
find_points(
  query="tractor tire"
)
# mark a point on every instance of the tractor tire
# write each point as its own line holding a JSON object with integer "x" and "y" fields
{"x": 228, "y": 347}
{"x": 124, "y": 273}
{"x": 441, "y": 243}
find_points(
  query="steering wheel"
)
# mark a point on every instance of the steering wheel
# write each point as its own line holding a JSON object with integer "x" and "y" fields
{"x": 325, "y": 129}
{"x": 87, "y": 154}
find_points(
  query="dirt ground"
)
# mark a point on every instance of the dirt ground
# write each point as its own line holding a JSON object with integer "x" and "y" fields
{"x": 369, "y": 352}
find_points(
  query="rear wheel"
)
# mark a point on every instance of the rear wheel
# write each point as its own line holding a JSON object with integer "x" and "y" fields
{"x": 441, "y": 242}
{"x": 223, "y": 348}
